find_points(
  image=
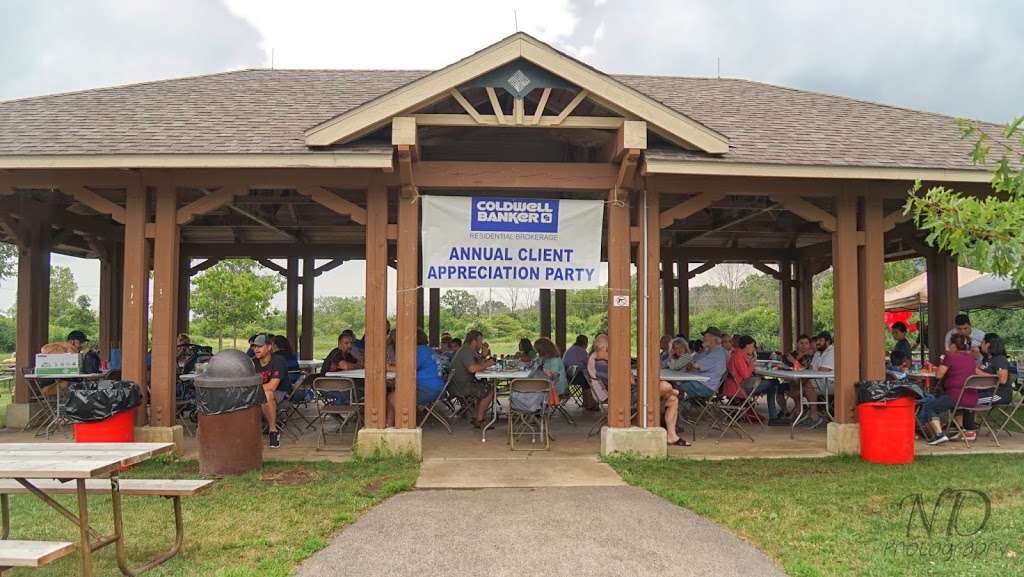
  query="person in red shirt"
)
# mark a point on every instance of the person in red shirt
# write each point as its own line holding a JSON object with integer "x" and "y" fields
{"x": 740, "y": 367}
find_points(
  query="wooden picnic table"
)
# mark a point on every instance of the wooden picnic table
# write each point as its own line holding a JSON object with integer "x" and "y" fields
{"x": 27, "y": 462}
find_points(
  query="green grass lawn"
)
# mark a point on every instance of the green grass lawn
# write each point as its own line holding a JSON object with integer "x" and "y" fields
{"x": 842, "y": 516}
{"x": 260, "y": 524}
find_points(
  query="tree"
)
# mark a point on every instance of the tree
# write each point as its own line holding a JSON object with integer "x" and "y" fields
{"x": 493, "y": 307}
{"x": 461, "y": 303}
{"x": 8, "y": 260}
{"x": 984, "y": 233}
{"x": 233, "y": 297}
{"x": 335, "y": 314}
{"x": 69, "y": 310}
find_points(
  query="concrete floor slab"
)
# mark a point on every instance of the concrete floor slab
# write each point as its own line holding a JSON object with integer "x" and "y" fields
{"x": 592, "y": 531}
{"x": 521, "y": 473}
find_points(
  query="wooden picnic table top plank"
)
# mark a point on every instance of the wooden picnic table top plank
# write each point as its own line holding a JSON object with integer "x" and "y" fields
{"x": 793, "y": 375}
{"x": 15, "y": 553}
{"x": 72, "y": 460}
{"x": 154, "y": 487}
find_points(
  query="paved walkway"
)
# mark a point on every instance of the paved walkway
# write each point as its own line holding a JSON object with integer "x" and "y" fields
{"x": 549, "y": 531}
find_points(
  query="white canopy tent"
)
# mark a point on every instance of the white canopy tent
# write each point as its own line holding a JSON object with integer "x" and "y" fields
{"x": 912, "y": 295}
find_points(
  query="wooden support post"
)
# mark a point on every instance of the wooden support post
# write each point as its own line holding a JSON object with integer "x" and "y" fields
{"x": 184, "y": 292}
{"x": 871, "y": 261}
{"x": 683, "y": 296}
{"x": 111, "y": 286}
{"x": 135, "y": 312}
{"x": 560, "y": 336}
{"x": 847, "y": 330}
{"x": 804, "y": 299}
{"x": 308, "y": 299}
{"x": 544, "y": 307}
{"x": 291, "y": 306}
{"x": 376, "y": 304}
{"x": 420, "y": 296}
{"x": 618, "y": 309}
{"x": 33, "y": 304}
{"x": 163, "y": 375}
{"x": 786, "y": 306}
{"x": 405, "y": 343}
{"x": 649, "y": 339}
{"x": 943, "y": 301}
{"x": 668, "y": 294}
{"x": 435, "y": 317}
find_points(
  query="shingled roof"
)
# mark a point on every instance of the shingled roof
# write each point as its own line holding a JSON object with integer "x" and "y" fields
{"x": 267, "y": 112}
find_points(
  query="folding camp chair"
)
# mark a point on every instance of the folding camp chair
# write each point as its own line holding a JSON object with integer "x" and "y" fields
{"x": 291, "y": 417}
{"x": 431, "y": 409}
{"x": 574, "y": 376}
{"x": 730, "y": 412}
{"x": 351, "y": 411}
{"x": 44, "y": 420}
{"x": 529, "y": 423}
{"x": 1009, "y": 410}
{"x": 981, "y": 412}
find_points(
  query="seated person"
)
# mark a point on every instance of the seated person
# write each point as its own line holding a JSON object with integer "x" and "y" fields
{"x": 664, "y": 350}
{"x": 273, "y": 370}
{"x": 284, "y": 348}
{"x": 740, "y": 367}
{"x": 899, "y": 366}
{"x": 679, "y": 356}
{"x": 994, "y": 362}
{"x": 596, "y": 363}
{"x": 466, "y": 363}
{"x": 72, "y": 345}
{"x": 824, "y": 360}
{"x": 710, "y": 363}
{"x": 342, "y": 357}
{"x": 576, "y": 356}
{"x": 526, "y": 353}
{"x": 552, "y": 365}
{"x": 899, "y": 334}
{"x": 957, "y": 365}
{"x": 429, "y": 382}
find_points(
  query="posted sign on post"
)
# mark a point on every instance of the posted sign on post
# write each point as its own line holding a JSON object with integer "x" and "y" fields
{"x": 483, "y": 241}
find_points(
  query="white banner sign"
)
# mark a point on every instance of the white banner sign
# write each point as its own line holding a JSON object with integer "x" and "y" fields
{"x": 487, "y": 241}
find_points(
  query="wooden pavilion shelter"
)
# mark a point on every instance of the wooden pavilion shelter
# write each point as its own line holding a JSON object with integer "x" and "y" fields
{"x": 171, "y": 176}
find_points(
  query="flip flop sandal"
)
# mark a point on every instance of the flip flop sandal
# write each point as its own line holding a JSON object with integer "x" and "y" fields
{"x": 680, "y": 443}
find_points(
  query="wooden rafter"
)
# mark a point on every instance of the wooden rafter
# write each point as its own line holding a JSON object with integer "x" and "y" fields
{"x": 689, "y": 207}
{"x": 733, "y": 222}
{"x": 806, "y": 211}
{"x": 466, "y": 105}
{"x": 335, "y": 203}
{"x": 701, "y": 269}
{"x": 267, "y": 263}
{"x": 544, "y": 121}
{"x": 328, "y": 266}
{"x": 767, "y": 270}
{"x": 98, "y": 203}
{"x": 198, "y": 268}
{"x": 11, "y": 228}
{"x": 541, "y": 105}
{"x": 518, "y": 111}
{"x": 212, "y": 201}
{"x": 495, "y": 105}
{"x": 892, "y": 219}
{"x": 259, "y": 220}
{"x": 571, "y": 106}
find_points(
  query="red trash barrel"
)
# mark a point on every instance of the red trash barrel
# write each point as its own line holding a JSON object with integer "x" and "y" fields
{"x": 119, "y": 428}
{"x": 887, "y": 431}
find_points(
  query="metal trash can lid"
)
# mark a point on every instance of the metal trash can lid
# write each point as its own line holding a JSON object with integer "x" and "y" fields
{"x": 229, "y": 368}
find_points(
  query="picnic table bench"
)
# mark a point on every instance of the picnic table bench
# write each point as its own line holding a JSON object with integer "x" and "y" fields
{"x": 49, "y": 469}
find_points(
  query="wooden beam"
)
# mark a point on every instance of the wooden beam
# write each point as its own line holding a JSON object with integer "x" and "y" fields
{"x": 631, "y": 135}
{"x": 648, "y": 256}
{"x": 544, "y": 121}
{"x": 892, "y": 219}
{"x": 329, "y": 266}
{"x": 469, "y": 108}
{"x": 261, "y": 221}
{"x": 668, "y": 291}
{"x": 335, "y": 203}
{"x": 518, "y": 111}
{"x": 530, "y": 175}
{"x": 775, "y": 274}
{"x": 689, "y": 207}
{"x": 871, "y": 262}
{"x": 541, "y": 105}
{"x": 786, "y": 305}
{"x": 291, "y": 301}
{"x": 732, "y": 223}
{"x": 806, "y": 211}
{"x": 560, "y": 318}
{"x": 12, "y": 229}
{"x": 376, "y": 282}
{"x": 434, "y": 320}
{"x": 619, "y": 307}
{"x": 408, "y": 289}
{"x": 212, "y": 201}
{"x": 135, "y": 311}
{"x": 571, "y": 106}
{"x": 495, "y": 105}
{"x": 847, "y": 319}
{"x": 744, "y": 254}
{"x": 272, "y": 250}
{"x": 32, "y": 303}
{"x": 308, "y": 306}
{"x": 98, "y": 203}
{"x": 701, "y": 269}
{"x": 267, "y": 263}
{"x": 405, "y": 160}
{"x": 544, "y": 309}
{"x": 163, "y": 372}
{"x": 198, "y": 268}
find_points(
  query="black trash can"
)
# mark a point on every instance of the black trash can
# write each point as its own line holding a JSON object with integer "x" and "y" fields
{"x": 228, "y": 398}
{"x": 102, "y": 411}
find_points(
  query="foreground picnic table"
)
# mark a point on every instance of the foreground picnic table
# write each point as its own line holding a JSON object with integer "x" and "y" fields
{"x": 27, "y": 463}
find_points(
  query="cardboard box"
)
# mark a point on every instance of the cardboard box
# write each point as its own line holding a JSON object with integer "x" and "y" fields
{"x": 58, "y": 364}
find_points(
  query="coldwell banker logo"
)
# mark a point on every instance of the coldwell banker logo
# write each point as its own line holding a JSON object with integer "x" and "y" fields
{"x": 514, "y": 215}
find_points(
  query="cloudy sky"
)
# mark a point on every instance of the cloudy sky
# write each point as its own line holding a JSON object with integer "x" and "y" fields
{"x": 954, "y": 57}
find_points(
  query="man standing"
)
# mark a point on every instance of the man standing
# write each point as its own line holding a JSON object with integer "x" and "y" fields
{"x": 272, "y": 369}
{"x": 962, "y": 325}
{"x": 466, "y": 363}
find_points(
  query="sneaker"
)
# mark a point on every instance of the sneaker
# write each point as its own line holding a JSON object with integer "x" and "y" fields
{"x": 275, "y": 439}
{"x": 939, "y": 440}
{"x": 971, "y": 435}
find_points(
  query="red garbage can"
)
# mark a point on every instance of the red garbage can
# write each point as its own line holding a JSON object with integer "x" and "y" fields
{"x": 118, "y": 428}
{"x": 887, "y": 431}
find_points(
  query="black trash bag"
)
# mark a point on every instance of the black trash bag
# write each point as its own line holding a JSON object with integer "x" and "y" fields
{"x": 91, "y": 401}
{"x": 222, "y": 400}
{"x": 875, "y": 391}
